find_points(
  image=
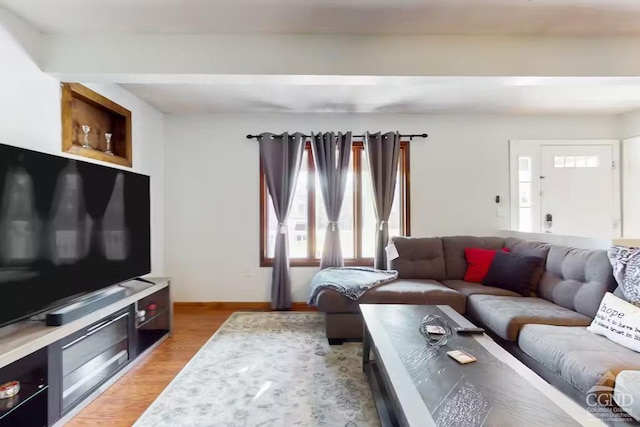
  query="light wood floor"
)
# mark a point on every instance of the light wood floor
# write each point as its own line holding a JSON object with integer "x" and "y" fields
{"x": 127, "y": 399}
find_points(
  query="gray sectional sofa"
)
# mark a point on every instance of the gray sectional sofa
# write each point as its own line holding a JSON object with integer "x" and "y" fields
{"x": 549, "y": 327}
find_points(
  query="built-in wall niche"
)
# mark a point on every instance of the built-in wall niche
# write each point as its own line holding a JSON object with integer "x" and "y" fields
{"x": 88, "y": 119}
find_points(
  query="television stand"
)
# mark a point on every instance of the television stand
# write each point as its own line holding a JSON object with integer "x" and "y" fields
{"x": 63, "y": 368}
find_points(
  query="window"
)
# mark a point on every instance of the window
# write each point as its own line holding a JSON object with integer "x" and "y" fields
{"x": 307, "y": 222}
{"x": 524, "y": 192}
{"x": 576, "y": 161}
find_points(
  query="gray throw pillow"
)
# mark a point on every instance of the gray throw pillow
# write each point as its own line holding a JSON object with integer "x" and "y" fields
{"x": 513, "y": 272}
{"x": 626, "y": 270}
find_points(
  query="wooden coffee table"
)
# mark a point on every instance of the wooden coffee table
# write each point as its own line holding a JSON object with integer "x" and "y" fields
{"x": 415, "y": 384}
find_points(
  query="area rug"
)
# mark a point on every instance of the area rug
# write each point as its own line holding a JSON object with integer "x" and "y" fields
{"x": 268, "y": 370}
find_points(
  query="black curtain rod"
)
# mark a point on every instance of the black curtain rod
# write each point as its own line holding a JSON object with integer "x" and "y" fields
{"x": 410, "y": 136}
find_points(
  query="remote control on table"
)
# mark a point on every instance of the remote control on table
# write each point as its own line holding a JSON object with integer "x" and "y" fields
{"x": 470, "y": 330}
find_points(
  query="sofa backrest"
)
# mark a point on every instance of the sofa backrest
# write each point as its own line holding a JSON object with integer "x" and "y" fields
{"x": 453, "y": 246}
{"x": 420, "y": 258}
{"x": 573, "y": 278}
{"x": 529, "y": 248}
{"x": 577, "y": 279}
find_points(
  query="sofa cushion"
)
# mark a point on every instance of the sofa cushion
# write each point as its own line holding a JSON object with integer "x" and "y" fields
{"x": 453, "y": 247}
{"x": 505, "y": 316}
{"x": 419, "y": 258}
{"x": 577, "y": 279}
{"x": 421, "y": 292}
{"x": 627, "y": 392}
{"x": 470, "y": 288}
{"x": 513, "y": 272}
{"x": 578, "y": 356}
{"x": 478, "y": 263}
{"x": 428, "y": 292}
{"x": 530, "y": 248}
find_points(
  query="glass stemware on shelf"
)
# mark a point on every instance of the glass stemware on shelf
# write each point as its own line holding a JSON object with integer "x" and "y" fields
{"x": 108, "y": 136}
{"x": 86, "y": 129}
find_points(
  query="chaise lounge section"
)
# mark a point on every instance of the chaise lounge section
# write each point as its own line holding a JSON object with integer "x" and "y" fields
{"x": 421, "y": 270}
{"x": 343, "y": 320}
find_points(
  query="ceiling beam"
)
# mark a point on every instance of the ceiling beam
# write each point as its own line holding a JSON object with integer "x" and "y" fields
{"x": 117, "y": 56}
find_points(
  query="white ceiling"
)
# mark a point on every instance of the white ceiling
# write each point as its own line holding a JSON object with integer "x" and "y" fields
{"x": 567, "y": 17}
{"x": 214, "y": 93}
{"x": 335, "y": 94}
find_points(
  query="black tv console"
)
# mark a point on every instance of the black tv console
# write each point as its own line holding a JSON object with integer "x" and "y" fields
{"x": 63, "y": 368}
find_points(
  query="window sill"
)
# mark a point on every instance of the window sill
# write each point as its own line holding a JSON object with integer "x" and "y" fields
{"x": 351, "y": 262}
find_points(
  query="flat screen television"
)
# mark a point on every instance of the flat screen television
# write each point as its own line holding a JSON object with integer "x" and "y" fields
{"x": 67, "y": 228}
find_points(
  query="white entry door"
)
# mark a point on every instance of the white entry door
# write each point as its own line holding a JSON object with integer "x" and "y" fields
{"x": 577, "y": 190}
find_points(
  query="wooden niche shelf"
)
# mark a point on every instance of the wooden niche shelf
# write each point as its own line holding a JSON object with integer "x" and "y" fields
{"x": 82, "y": 106}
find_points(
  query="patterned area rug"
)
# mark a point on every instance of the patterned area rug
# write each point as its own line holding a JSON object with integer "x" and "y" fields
{"x": 268, "y": 370}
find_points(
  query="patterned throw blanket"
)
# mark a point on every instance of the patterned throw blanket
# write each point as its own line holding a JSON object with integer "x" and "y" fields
{"x": 626, "y": 269}
{"x": 352, "y": 282}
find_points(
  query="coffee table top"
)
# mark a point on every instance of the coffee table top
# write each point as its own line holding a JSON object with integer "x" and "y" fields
{"x": 497, "y": 390}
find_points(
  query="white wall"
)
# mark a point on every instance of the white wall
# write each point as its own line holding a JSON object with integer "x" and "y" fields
{"x": 212, "y": 186}
{"x": 30, "y": 118}
{"x": 629, "y": 125}
{"x": 629, "y": 128}
{"x": 17, "y": 32}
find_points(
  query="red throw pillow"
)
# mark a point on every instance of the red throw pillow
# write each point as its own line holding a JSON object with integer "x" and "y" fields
{"x": 478, "y": 262}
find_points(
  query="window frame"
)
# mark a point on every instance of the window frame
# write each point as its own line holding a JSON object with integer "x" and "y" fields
{"x": 311, "y": 260}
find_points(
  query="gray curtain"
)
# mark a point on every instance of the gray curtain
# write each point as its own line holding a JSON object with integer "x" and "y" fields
{"x": 383, "y": 151}
{"x": 281, "y": 156}
{"x": 331, "y": 155}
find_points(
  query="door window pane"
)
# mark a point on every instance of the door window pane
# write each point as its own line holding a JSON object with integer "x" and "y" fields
{"x": 297, "y": 221}
{"x": 524, "y": 191}
{"x": 345, "y": 223}
{"x": 569, "y": 162}
{"x": 524, "y": 169}
{"x": 593, "y": 161}
{"x": 525, "y": 220}
{"x": 525, "y": 195}
{"x": 558, "y": 161}
{"x": 581, "y": 162}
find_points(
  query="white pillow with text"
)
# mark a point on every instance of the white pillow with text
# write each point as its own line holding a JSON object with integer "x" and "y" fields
{"x": 619, "y": 321}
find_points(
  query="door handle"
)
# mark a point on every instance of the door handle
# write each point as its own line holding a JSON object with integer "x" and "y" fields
{"x": 548, "y": 221}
